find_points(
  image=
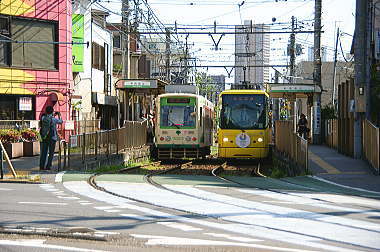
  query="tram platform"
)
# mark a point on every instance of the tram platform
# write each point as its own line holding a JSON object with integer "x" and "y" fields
{"x": 328, "y": 164}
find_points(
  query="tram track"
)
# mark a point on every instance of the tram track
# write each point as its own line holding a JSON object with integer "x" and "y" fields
{"x": 149, "y": 179}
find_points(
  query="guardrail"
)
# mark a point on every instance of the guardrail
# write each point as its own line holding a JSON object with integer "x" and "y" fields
{"x": 292, "y": 146}
{"x": 371, "y": 144}
{"x": 331, "y": 136}
{"x": 102, "y": 147}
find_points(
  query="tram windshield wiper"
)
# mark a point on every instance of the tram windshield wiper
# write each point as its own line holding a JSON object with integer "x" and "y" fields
{"x": 173, "y": 123}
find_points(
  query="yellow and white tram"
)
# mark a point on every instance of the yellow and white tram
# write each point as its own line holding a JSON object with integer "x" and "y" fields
{"x": 184, "y": 126}
{"x": 243, "y": 130}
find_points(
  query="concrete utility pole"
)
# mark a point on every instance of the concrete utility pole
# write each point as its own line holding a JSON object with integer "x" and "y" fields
{"x": 125, "y": 55}
{"x": 361, "y": 68}
{"x": 292, "y": 51}
{"x": 317, "y": 73}
{"x": 167, "y": 53}
{"x": 334, "y": 72}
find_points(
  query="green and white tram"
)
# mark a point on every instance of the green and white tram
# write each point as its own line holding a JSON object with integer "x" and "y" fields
{"x": 184, "y": 126}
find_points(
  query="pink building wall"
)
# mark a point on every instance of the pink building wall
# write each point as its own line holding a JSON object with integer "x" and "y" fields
{"x": 45, "y": 85}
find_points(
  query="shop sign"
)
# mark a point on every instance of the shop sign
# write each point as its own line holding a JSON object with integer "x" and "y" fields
{"x": 25, "y": 104}
{"x": 292, "y": 88}
{"x": 69, "y": 125}
{"x": 78, "y": 37}
{"x": 73, "y": 141}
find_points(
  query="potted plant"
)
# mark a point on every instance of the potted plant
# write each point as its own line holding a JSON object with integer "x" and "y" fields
{"x": 11, "y": 140}
{"x": 30, "y": 139}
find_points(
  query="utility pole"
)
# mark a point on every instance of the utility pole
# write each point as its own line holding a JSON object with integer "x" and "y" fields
{"x": 293, "y": 100}
{"x": 186, "y": 59}
{"x": 317, "y": 73}
{"x": 334, "y": 72}
{"x": 361, "y": 69}
{"x": 167, "y": 52}
{"x": 125, "y": 55}
{"x": 292, "y": 50}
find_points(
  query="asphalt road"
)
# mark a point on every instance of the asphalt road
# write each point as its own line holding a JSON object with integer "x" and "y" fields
{"x": 196, "y": 214}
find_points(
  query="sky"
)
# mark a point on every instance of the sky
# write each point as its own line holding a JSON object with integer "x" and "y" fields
{"x": 335, "y": 13}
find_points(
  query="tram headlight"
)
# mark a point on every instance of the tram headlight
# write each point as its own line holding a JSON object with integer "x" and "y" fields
{"x": 260, "y": 140}
{"x": 225, "y": 139}
{"x": 168, "y": 138}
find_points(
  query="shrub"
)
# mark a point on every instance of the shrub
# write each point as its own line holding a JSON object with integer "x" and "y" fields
{"x": 10, "y": 136}
{"x": 29, "y": 135}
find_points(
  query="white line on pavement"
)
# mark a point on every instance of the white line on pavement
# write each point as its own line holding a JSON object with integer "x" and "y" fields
{"x": 59, "y": 177}
{"x": 168, "y": 240}
{"x": 179, "y": 226}
{"x": 43, "y": 203}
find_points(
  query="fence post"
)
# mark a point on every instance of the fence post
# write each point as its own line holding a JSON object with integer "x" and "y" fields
{"x": 68, "y": 152}
{"x": 59, "y": 155}
{"x": 108, "y": 143}
{"x": 1, "y": 164}
{"x": 96, "y": 144}
{"x": 117, "y": 140}
{"x": 84, "y": 148}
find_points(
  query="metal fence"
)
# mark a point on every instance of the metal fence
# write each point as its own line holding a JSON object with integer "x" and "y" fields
{"x": 291, "y": 145}
{"x": 371, "y": 145}
{"x": 86, "y": 126}
{"x": 102, "y": 147}
{"x": 331, "y": 135}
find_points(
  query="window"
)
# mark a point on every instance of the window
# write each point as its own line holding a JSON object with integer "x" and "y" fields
{"x": 33, "y": 55}
{"x": 243, "y": 111}
{"x": 117, "y": 41}
{"x": 4, "y": 35}
{"x": 98, "y": 57}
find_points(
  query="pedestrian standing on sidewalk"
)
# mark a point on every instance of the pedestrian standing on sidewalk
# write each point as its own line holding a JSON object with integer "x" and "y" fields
{"x": 49, "y": 136}
{"x": 303, "y": 130}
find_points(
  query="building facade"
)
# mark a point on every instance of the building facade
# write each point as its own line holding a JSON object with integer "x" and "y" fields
{"x": 36, "y": 71}
{"x": 94, "y": 90}
{"x": 252, "y": 50}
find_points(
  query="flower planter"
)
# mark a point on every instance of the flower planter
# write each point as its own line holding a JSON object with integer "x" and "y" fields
{"x": 14, "y": 150}
{"x": 31, "y": 148}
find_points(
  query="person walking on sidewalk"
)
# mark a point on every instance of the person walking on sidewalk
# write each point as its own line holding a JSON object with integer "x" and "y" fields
{"x": 49, "y": 136}
{"x": 303, "y": 130}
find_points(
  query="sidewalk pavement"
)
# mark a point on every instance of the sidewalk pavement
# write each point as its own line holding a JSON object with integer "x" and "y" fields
{"x": 328, "y": 164}
{"x": 25, "y": 166}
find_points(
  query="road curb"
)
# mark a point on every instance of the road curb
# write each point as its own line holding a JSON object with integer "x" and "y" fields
{"x": 81, "y": 233}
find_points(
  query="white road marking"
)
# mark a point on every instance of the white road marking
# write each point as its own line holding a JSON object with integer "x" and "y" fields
{"x": 40, "y": 244}
{"x": 324, "y": 226}
{"x": 46, "y": 185}
{"x": 344, "y": 186}
{"x": 137, "y": 217}
{"x": 6, "y": 189}
{"x": 313, "y": 200}
{"x": 85, "y": 204}
{"x": 168, "y": 240}
{"x": 42, "y": 203}
{"x": 234, "y": 238}
{"x": 112, "y": 210}
{"x": 81, "y": 187}
{"x": 59, "y": 177}
{"x": 104, "y": 207}
{"x": 179, "y": 226}
{"x": 68, "y": 197}
{"x": 60, "y": 192}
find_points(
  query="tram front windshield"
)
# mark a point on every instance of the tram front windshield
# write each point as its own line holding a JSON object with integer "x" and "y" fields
{"x": 243, "y": 111}
{"x": 175, "y": 116}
